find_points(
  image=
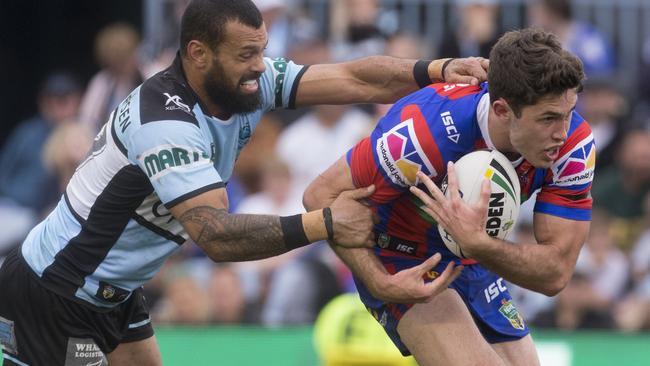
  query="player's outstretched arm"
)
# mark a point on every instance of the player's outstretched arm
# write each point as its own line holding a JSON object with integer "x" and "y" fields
{"x": 233, "y": 237}
{"x": 382, "y": 79}
{"x": 406, "y": 286}
{"x": 545, "y": 266}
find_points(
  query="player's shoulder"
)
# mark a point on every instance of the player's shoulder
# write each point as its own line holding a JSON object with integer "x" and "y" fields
{"x": 166, "y": 96}
{"x": 576, "y": 161}
{"x": 457, "y": 91}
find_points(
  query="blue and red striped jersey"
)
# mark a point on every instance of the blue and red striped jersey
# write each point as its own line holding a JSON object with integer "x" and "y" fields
{"x": 441, "y": 123}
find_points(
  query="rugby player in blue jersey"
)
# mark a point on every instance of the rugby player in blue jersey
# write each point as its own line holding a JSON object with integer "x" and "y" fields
{"x": 526, "y": 111}
{"x": 155, "y": 178}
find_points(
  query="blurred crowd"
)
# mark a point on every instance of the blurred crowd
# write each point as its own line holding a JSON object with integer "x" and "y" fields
{"x": 611, "y": 284}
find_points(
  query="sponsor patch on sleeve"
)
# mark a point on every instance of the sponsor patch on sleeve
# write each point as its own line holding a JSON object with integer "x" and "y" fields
{"x": 576, "y": 167}
{"x": 164, "y": 159}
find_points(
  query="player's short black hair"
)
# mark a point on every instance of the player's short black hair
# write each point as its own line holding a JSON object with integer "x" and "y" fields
{"x": 530, "y": 64}
{"x": 205, "y": 20}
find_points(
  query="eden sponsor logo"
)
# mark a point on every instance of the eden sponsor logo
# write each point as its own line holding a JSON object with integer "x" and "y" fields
{"x": 402, "y": 156}
{"x": 160, "y": 160}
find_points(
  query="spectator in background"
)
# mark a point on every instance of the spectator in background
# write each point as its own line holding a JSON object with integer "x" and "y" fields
{"x": 26, "y": 185}
{"x": 184, "y": 300}
{"x": 227, "y": 297}
{"x": 579, "y": 38}
{"x": 286, "y": 28}
{"x": 598, "y": 281}
{"x": 633, "y": 312}
{"x": 65, "y": 149}
{"x": 603, "y": 105}
{"x": 356, "y": 29}
{"x": 402, "y": 45}
{"x": 476, "y": 32}
{"x": 338, "y": 127}
{"x": 116, "y": 51}
{"x": 24, "y": 180}
{"x": 621, "y": 188}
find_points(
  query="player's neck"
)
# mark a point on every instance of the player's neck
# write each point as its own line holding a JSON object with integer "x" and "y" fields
{"x": 498, "y": 129}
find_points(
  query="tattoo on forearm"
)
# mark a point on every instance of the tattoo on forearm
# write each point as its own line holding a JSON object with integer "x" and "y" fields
{"x": 235, "y": 237}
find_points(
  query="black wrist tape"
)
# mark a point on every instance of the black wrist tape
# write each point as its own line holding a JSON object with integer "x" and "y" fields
{"x": 421, "y": 73}
{"x": 293, "y": 231}
{"x": 329, "y": 223}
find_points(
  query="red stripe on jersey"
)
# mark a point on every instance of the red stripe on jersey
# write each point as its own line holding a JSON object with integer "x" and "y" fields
{"x": 551, "y": 197}
{"x": 405, "y": 222}
{"x": 423, "y": 133}
{"x": 365, "y": 172}
{"x": 455, "y": 91}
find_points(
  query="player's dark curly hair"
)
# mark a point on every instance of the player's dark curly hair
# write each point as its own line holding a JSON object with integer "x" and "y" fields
{"x": 205, "y": 20}
{"x": 529, "y": 64}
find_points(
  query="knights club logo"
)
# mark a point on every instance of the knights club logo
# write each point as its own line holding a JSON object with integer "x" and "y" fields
{"x": 402, "y": 156}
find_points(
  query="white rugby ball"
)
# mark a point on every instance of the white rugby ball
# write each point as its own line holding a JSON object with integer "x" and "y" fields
{"x": 503, "y": 206}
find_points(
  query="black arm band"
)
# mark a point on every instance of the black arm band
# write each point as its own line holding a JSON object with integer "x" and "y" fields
{"x": 421, "y": 73}
{"x": 293, "y": 231}
{"x": 444, "y": 66}
{"x": 329, "y": 223}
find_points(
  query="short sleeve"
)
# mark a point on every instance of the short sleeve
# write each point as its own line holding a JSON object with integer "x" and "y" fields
{"x": 567, "y": 192}
{"x": 176, "y": 160}
{"x": 279, "y": 83}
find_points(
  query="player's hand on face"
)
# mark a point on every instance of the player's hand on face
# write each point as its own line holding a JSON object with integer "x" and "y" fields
{"x": 471, "y": 70}
{"x": 463, "y": 221}
{"x": 353, "y": 219}
{"x": 408, "y": 286}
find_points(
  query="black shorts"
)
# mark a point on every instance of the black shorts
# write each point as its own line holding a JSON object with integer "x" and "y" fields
{"x": 40, "y": 327}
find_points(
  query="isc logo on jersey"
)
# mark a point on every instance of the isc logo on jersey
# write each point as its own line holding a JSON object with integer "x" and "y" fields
{"x": 576, "y": 167}
{"x": 401, "y": 155}
{"x": 163, "y": 159}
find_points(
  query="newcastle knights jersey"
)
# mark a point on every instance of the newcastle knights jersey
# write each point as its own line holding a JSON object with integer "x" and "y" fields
{"x": 112, "y": 230}
{"x": 441, "y": 123}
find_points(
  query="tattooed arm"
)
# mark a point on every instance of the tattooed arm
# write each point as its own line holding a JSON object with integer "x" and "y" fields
{"x": 234, "y": 237}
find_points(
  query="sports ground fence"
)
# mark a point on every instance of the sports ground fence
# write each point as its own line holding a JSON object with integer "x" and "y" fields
{"x": 624, "y": 23}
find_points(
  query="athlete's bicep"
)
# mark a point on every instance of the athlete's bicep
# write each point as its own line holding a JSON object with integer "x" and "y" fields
{"x": 565, "y": 235}
{"x": 328, "y": 84}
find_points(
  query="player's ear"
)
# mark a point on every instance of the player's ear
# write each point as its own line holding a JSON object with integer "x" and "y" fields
{"x": 501, "y": 108}
{"x": 199, "y": 53}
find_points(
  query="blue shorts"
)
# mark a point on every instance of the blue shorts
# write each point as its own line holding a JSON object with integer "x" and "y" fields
{"x": 484, "y": 293}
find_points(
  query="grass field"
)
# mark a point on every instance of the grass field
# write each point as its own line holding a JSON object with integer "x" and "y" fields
{"x": 293, "y": 347}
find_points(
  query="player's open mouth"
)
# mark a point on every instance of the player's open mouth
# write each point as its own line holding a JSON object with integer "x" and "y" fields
{"x": 249, "y": 86}
{"x": 552, "y": 153}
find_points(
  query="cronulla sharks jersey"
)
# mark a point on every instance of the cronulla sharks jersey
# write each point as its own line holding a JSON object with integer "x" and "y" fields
{"x": 441, "y": 123}
{"x": 112, "y": 229}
